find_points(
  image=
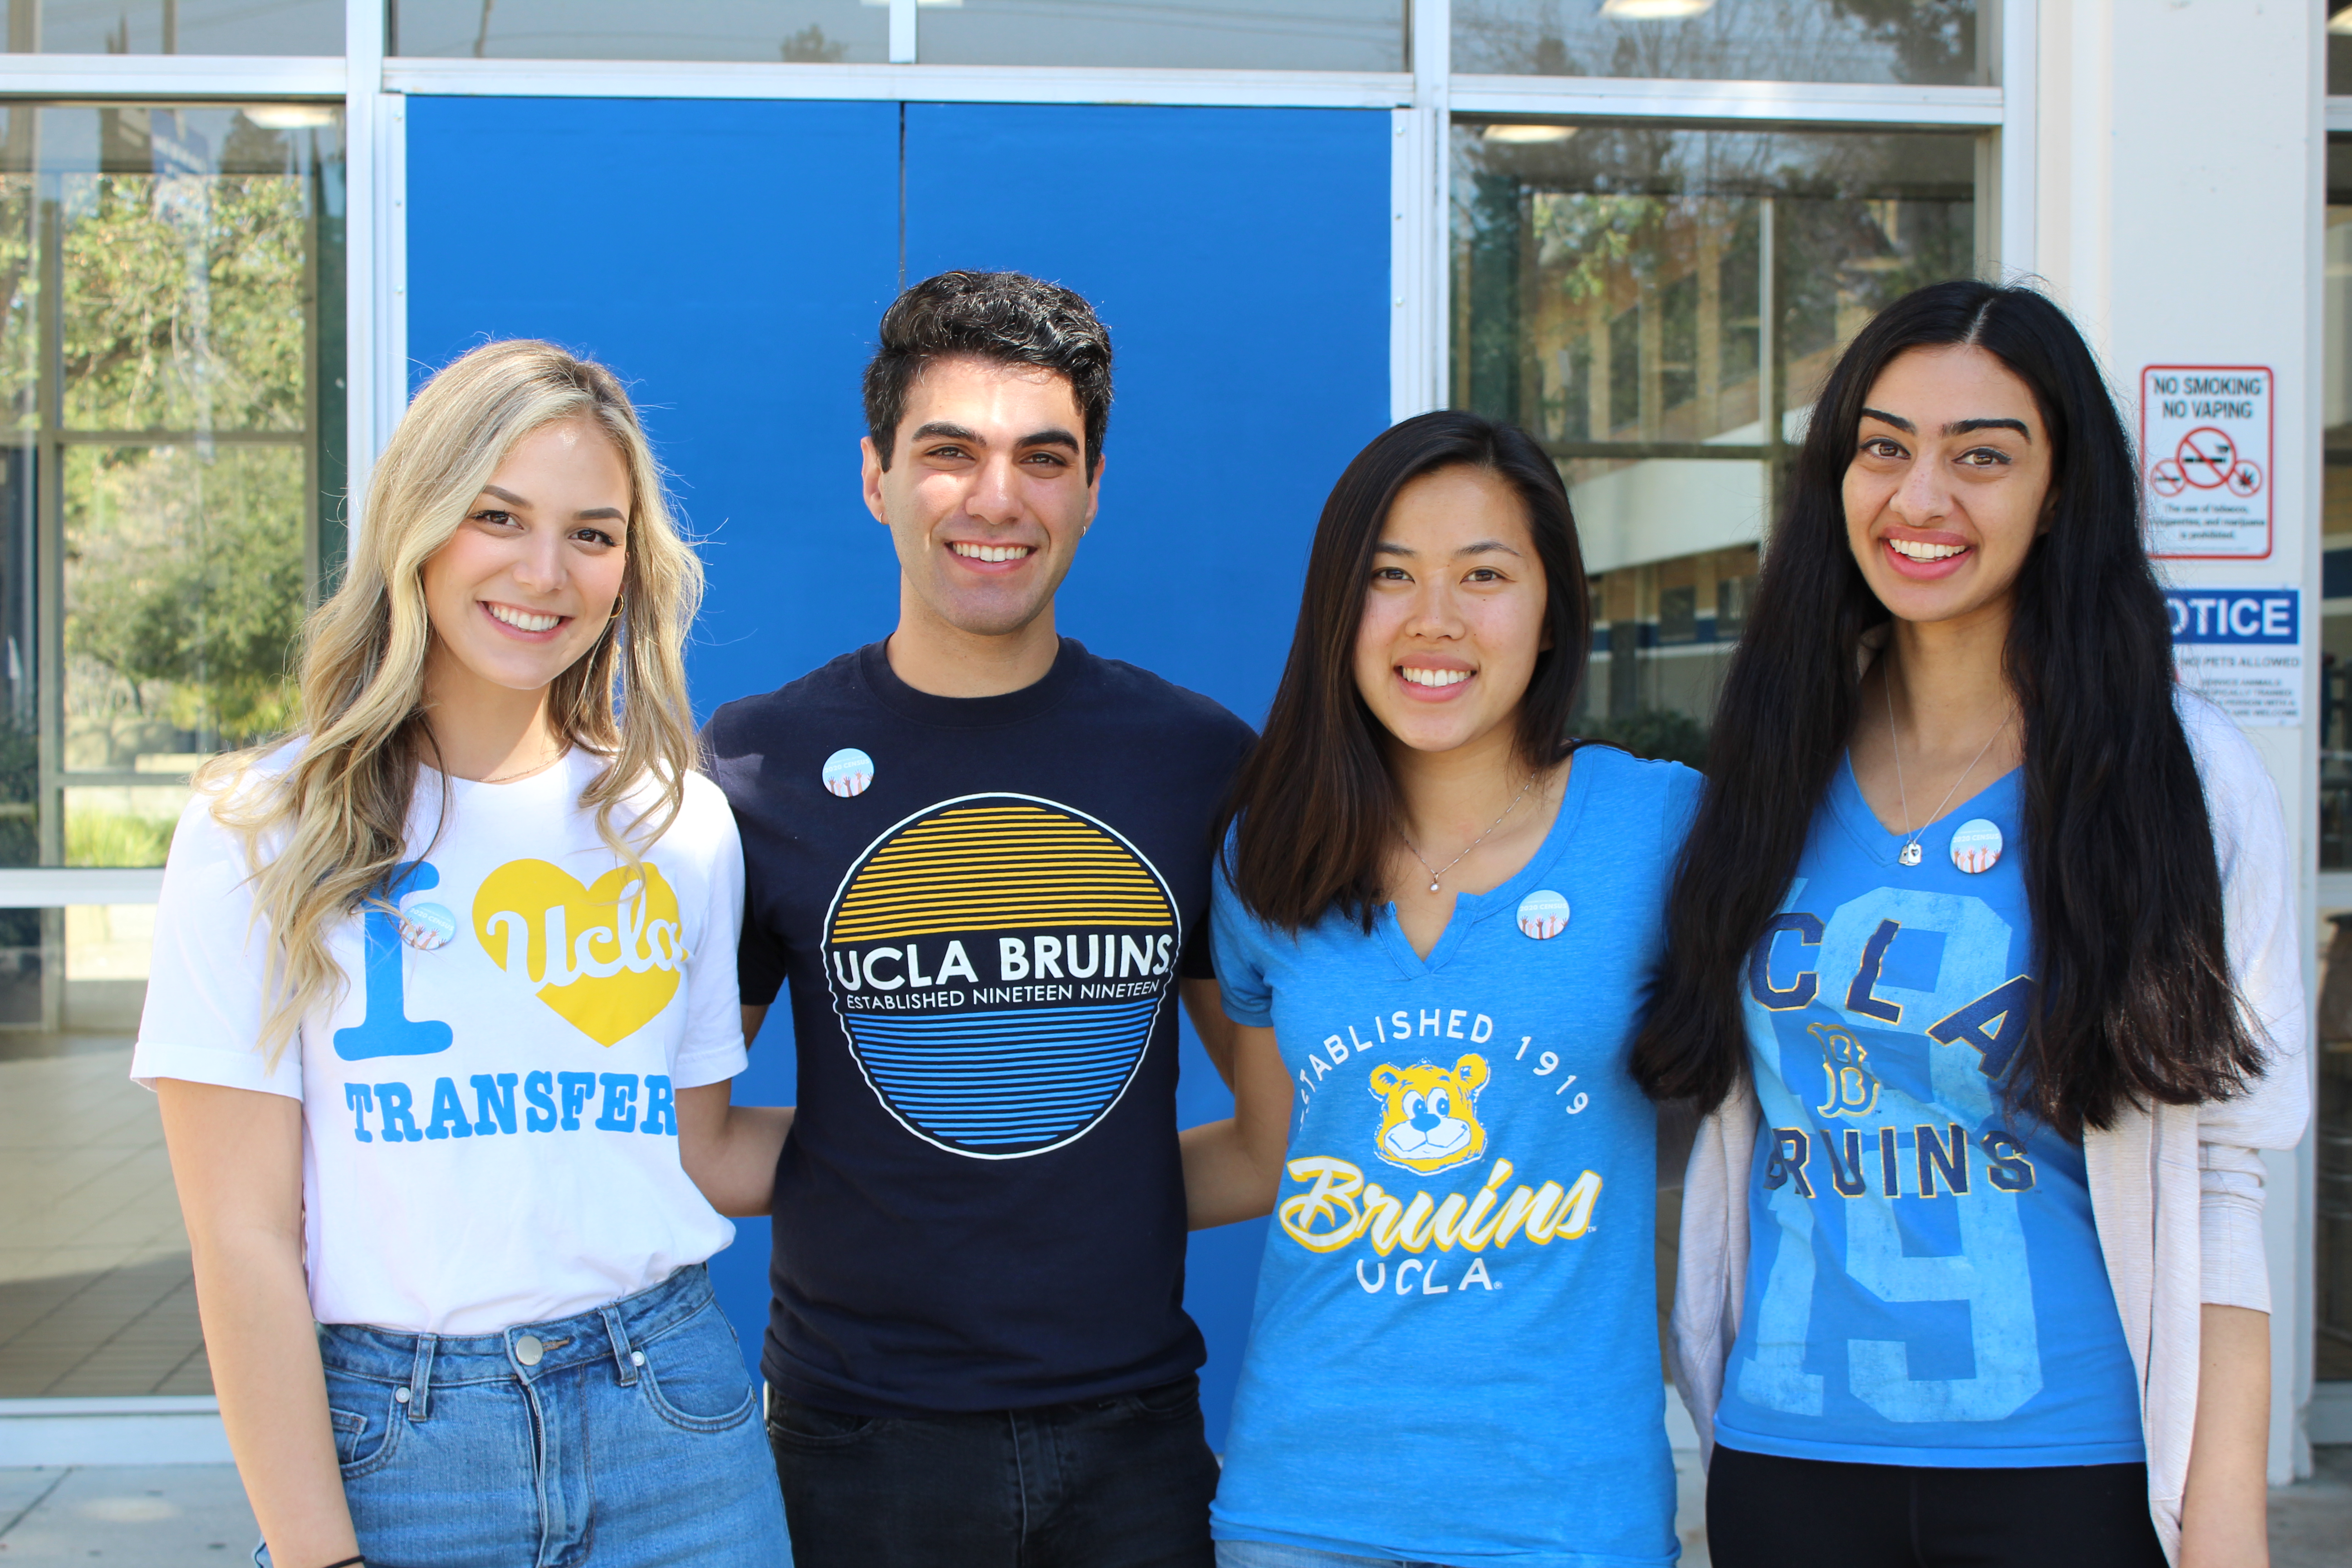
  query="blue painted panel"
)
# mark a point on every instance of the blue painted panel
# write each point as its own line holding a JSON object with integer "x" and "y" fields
{"x": 730, "y": 261}
{"x": 1241, "y": 259}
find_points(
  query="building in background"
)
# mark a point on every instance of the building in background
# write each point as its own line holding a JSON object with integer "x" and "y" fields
{"x": 234, "y": 233}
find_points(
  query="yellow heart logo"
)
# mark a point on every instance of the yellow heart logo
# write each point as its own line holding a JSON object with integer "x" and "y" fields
{"x": 607, "y": 958}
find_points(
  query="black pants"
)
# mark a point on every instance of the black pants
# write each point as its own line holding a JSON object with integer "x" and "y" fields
{"x": 1768, "y": 1513}
{"x": 1113, "y": 1483}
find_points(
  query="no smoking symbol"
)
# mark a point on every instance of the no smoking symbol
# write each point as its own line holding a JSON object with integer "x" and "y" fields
{"x": 2206, "y": 456}
{"x": 2166, "y": 478}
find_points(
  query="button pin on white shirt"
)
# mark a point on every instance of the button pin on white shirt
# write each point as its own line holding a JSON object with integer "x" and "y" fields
{"x": 427, "y": 927}
{"x": 848, "y": 772}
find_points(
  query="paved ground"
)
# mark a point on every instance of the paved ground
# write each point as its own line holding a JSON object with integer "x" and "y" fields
{"x": 181, "y": 1516}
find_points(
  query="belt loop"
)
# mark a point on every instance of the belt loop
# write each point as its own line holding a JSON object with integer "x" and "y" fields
{"x": 623, "y": 1357}
{"x": 420, "y": 1379}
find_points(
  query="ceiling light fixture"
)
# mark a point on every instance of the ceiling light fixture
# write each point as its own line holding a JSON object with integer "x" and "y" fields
{"x": 1528, "y": 135}
{"x": 1652, "y": 10}
{"x": 289, "y": 116}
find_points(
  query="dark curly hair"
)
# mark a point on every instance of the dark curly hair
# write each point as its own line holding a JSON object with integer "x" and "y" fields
{"x": 1009, "y": 318}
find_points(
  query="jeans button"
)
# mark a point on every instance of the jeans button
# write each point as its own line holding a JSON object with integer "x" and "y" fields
{"x": 528, "y": 1349}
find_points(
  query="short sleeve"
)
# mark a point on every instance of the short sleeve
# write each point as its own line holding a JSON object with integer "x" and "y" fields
{"x": 1237, "y": 939}
{"x": 710, "y": 1050}
{"x": 208, "y": 983}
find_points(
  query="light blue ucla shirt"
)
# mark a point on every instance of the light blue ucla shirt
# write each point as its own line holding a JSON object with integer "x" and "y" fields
{"x": 1455, "y": 1353}
{"x": 1925, "y": 1284}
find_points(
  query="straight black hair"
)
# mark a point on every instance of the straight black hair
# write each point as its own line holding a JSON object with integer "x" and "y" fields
{"x": 2134, "y": 1000}
{"x": 1316, "y": 807}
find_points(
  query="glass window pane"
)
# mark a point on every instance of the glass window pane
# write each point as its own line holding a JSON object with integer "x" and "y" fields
{"x": 823, "y": 31}
{"x": 2339, "y": 47}
{"x": 1925, "y": 41}
{"x": 169, "y": 460}
{"x": 1659, "y": 305}
{"x": 1293, "y": 35}
{"x": 175, "y": 27}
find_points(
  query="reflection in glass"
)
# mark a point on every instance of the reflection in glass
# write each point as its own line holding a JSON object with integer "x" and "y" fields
{"x": 171, "y": 410}
{"x": 1926, "y": 41}
{"x": 1659, "y": 307}
{"x": 2339, "y": 47}
{"x": 175, "y": 27}
{"x": 818, "y": 31}
{"x": 1289, "y": 35}
{"x": 2333, "y": 1254}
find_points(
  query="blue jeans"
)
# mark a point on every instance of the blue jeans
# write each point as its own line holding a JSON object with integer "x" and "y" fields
{"x": 1266, "y": 1554}
{"x": 624, "y": 1437}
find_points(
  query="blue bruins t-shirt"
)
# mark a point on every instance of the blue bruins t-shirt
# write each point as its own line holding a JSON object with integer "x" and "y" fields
{"x": 1924, "y": 1283}
{"x": 1455, "y": 1354}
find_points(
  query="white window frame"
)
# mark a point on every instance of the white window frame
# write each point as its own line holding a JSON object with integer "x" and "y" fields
{"x": 1421, "y": 101}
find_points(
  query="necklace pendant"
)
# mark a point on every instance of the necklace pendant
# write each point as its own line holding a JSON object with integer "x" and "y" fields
{"x": 1433, "y": 884}
{"x": 1912, "y": 854}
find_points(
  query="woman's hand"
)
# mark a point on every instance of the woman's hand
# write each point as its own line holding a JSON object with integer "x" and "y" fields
{"x": 2224, "y": 1515}
{"x": 729, "y": 1150}
{"x": 1233, "y": 1168}
{"x": 237, "y": 1159}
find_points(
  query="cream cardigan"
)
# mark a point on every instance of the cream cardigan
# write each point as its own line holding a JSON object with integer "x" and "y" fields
{"x": 2177, "y": 1192}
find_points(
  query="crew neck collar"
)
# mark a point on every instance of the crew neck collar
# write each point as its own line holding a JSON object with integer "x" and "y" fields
{"x": 970, "y": 712}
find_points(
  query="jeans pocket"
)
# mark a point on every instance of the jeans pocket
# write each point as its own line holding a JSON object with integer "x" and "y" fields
{"x": 693, "y": 1376}
{"x": 1164, "y": 1402}
{"x": 800, "y": 1425}
{"x": 366, "y": 1421}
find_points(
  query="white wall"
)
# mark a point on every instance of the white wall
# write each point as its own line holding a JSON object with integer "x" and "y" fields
{"x": 2180, "y": 190}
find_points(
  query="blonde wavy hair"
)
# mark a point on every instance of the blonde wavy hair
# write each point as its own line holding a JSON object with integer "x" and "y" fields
{"x": 339, "y": 814}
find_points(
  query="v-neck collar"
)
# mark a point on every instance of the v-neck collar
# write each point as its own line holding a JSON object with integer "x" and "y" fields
{"x": 1884, "y": 846}
{"x": 1471, "y": 910}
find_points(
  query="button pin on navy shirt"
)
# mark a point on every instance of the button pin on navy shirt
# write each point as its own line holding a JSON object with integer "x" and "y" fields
{"x": 848, "y": 772}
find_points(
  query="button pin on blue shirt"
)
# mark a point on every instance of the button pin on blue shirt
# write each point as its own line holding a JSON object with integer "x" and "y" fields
{"x": 1543, "y": 914}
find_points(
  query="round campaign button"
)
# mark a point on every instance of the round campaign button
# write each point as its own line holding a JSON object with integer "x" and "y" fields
{"x": 1543, "y": 914}
{"x": 425, "y": 927}
{"x": 848, "y": 772}
{"x": 1975, "y": 846}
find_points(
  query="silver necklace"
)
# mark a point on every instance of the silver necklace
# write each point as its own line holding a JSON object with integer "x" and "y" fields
{"x": 1912, "y": 854}
{"x": 1437, "y": 871}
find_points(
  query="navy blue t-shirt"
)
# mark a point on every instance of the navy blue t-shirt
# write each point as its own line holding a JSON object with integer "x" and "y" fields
{"x": 981, "y": 906}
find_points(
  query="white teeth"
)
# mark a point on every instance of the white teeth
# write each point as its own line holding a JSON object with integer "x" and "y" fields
{"x": 1432, "y": 677}
{"x": 1919, "y": 549}
{"x": 990, "y": 552}
{"x": 523, "y": 620}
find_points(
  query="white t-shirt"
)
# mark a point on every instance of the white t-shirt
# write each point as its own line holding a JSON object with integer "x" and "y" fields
{"x": 489, "y": 1127}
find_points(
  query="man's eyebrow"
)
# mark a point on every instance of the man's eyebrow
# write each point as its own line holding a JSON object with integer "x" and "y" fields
{"x": 1962, "y": 427}
{"x": 1894, "y": 420}
{"x": 951, "y": 432}
{"x": 1053, "y": 436}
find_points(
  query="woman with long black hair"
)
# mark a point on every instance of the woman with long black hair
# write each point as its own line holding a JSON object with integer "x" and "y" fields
{"x": 1982, "y": 956}
{"x": 1436, "y": 924}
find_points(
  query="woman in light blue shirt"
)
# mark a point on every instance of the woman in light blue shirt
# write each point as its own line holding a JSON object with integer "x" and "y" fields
{"x": 1437, "y": 925}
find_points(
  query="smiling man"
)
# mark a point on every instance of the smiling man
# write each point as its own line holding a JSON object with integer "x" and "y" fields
{"x": 979, "y": 858}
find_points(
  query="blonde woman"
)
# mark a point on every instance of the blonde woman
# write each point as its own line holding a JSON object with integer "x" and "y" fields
{"x": 442, "y": 1019}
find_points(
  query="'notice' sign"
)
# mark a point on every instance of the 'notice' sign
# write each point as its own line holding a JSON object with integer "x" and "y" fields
{"x": 2205, "y": 460}
{"x": 2242, "y": 648}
